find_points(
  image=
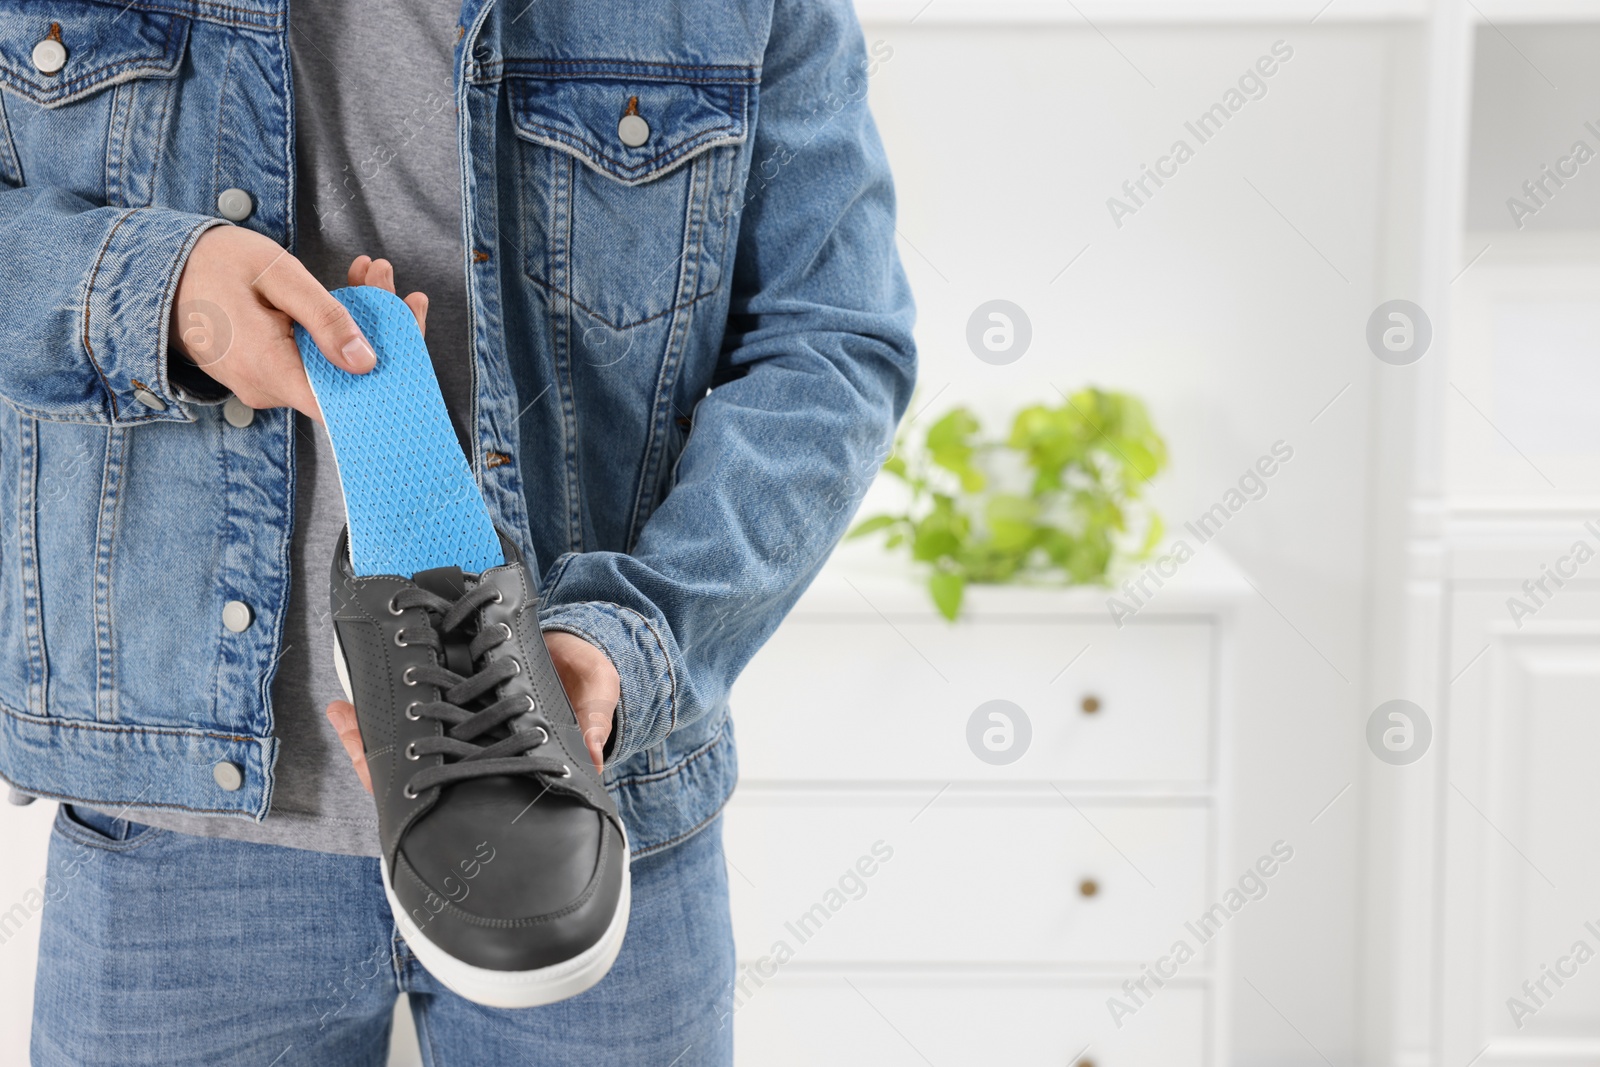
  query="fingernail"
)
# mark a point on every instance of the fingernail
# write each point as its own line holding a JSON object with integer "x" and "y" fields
{"x": 358, "y": 355}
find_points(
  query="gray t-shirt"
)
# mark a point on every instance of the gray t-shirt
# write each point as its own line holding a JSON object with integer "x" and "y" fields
{"x": 379, "y": 175}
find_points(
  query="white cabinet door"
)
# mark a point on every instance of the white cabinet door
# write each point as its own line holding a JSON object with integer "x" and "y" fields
{"x": 1525, "y": 821}
{"x": 992, "y": 879}
{"x": 876, "y": 1020}
{"x": 888, "y": 699}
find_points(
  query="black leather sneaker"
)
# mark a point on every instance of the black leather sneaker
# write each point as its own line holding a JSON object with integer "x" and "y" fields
{"x": 504, "y": 859}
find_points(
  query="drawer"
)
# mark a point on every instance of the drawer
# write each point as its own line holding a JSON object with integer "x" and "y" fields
{"x": 970, "y": 878}
{"x": 847, "y": 697}
{"x": 875, "y": 1020}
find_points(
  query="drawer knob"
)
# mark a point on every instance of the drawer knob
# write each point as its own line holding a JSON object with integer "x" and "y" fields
{"x": 1088, "y": 887}
{"x": 1091, "y": 704}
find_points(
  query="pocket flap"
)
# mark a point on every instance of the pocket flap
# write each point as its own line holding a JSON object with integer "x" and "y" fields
{"x": 104, "y": 44}
{"x": 684, "y": 111}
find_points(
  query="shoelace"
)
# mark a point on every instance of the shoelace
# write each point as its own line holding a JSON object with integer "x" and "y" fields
{"x": 469, "y": 741}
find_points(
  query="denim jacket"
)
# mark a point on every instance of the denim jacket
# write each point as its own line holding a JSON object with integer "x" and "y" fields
{"x": 688, "y": 358}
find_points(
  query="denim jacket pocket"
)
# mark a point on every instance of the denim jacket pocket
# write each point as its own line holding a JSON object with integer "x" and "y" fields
{"x": 628, "y": 179}
{"x": 57, "y": 63}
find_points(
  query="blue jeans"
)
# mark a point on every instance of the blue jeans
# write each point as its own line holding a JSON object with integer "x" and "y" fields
{"x": 161, "y": 948}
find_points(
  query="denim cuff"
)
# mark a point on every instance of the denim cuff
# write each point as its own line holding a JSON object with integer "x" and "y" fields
{"x": 644, "y": 660}
{"x": 128, "y": 306}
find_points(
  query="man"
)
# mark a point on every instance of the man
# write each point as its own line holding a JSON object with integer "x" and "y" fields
{"x": 653, "y": 248}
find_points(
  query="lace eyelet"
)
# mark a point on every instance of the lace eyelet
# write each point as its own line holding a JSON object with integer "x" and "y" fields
{"x": 411, "y": 751}
{"x": 411, "y": 713}
{"x": 399, "y": 643}
{"x": 533, "y": 705}
{"x": 405, "y": 676}
{"x": 394, "y": 610}
{"x": 566, "y": 772}
{"x": 544, "y": 736}
{"x": 507, "y": 631}
{"x": 518, "y": 665}
{"x": 497, "y": 597}
{"x": 408, "y": 792}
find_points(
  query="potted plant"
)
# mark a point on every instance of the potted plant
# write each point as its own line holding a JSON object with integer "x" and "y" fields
{"x": 1059, "y": 499}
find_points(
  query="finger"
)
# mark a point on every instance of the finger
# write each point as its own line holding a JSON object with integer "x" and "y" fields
{"x": 381, "y": 274}
{"x": 357, "y": 275}
{"x": 342, "y": 715}
{"x": 418, "y": 303}
{"x": 290, "y": 288}
{"x": 596, "y": 724}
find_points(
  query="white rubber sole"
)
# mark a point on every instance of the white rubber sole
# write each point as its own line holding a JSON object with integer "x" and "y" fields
{"x": 508, "y": 989}
{"x": 518, "y": 989}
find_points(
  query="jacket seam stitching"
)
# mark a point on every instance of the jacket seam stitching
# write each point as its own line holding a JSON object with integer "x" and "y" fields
{"x": 88, "y": 303}
{"x": 105, "y": 536}
{"x": 613, "y": 68}
{"x": 627, "y": 170}
{"x": 159, "y": 731}
{"x": 557, "y": 290}
{"x": 702, "y": 179}
{"x": 266, "y": 22}
{"x": 73, "y": 798}
{"x": 698, "y": 754}
{"x": 222, "y": 111}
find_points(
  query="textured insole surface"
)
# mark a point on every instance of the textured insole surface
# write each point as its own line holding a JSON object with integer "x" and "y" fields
{"x": 409, "y": 495}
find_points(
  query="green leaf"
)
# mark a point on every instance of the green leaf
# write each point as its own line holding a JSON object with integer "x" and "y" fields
{"x": 948, "y": 589}
{"x": 1139, "y": 460}
{"x": 1011, "y": 520}
{"x": 956, "y": 427}
{"x": 1089, "y": 557}
{"x": 950, "y": 443}
{"x": 872, "y": 525}
{"x": 1153, "y": 535}
{"x": 933, "y": 542}
{"x": 1058, "y": 545}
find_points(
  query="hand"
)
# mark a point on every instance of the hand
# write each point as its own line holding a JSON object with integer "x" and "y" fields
{"x": 592, "y": 686}
{"x": 237, "y": 301}
{"x": 586, "y": 674}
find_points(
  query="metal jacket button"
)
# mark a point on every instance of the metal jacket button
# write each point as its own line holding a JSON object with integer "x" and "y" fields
{"x": 149, "y": 399}
{"x": 633, "y": 130}
{"x": 238, "y": 413}
{"x": 49, "y": 55}
{"x": 235, "y": 205}
{"x": 237, "y": 616}
{"x": 227, "y": 775}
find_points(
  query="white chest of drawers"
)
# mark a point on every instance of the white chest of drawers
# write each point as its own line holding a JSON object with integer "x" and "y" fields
{"x": 903, "y": 894}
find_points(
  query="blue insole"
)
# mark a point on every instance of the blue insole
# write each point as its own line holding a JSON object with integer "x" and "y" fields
{"x": 409, "y": 494}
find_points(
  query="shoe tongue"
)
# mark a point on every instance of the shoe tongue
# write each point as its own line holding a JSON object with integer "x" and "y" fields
{"x": 447, "y": 582}
{"x": 450, "y": 583}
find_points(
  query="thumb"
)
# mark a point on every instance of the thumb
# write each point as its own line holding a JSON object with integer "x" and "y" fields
{"x": 342, "y": 714}
{"x": 290, "y": 288}
{"x": 595, "y": 718}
